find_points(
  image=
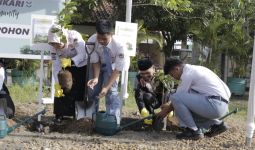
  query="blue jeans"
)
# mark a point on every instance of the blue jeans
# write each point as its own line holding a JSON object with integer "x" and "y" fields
{"x": 194, "y": 110}
{"x": 112, "y": 99}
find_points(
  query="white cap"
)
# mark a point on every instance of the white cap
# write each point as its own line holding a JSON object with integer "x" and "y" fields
{"x": 54, "y": 34}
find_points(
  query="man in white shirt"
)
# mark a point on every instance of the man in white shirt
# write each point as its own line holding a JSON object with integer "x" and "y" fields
{"x": 2, "y": 76}
{"x": 108, "y": 62}
{"x": 200, "y": 99}
{"x": 3, "y": 104}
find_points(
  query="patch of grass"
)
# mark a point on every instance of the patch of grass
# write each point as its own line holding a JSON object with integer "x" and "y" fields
{"x": 24, "y": 94}
{"x": 130, "y": 104}
{"x": 241, "y": 103}
{"x": 27, "y": 92}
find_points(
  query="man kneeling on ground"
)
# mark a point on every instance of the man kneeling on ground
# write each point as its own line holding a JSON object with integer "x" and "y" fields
{"x": 200, "y": 99}
{"x": 148, "y": 89}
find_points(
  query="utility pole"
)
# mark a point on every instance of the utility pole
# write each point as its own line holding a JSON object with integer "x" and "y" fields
{"x": 128, "y": 10}
{"x": 251, "y": 103}
{"x": 124, "y": 75}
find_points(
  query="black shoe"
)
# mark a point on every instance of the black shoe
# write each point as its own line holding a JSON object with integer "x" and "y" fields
{"x": 216, "y": 130}
{"x": 190, "y": 134}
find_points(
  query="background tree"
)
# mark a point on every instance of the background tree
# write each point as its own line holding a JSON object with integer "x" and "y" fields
{"x": 76, "y": 12}
{"x": 226, "y": 26}
{"x": 164, "y": 17}
{"x": 212, "y": 23}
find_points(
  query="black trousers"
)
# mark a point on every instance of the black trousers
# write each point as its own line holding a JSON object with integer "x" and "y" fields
{"x": 6, "y": 102}
{"x": 65, "y": 106}
{"x": 149, "y": 101}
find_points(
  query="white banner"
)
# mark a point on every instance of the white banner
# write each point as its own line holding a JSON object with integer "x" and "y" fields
{"x": 17, "y": 31}
{"x": 40, "y": 27}
{"x": 127, "y": 32}
{"x": 24, "y": 23}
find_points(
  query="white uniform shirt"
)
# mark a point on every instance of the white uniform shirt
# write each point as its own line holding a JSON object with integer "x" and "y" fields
{"x": 202, "y": 80}
{"x": 1, "y": 77}
{"x": 74, "y": 49}
{"x": 116, "y": 50}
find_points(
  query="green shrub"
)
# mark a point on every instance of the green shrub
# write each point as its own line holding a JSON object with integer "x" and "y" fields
{"x": 25, "y": 93}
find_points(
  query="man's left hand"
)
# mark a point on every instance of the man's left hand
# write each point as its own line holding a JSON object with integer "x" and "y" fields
{"x": 103, "y": 92}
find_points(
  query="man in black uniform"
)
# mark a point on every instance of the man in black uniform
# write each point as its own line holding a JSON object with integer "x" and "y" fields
{"x": 148, "y": 89}
{"x": 7, "y": 107}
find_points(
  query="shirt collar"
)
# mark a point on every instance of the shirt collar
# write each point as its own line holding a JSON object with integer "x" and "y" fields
{"x": 184, "y": 69}
{"x": 109, "y": 45}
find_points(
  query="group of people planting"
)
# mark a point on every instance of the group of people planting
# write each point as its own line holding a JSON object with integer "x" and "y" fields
{"x": 198, "y": 102}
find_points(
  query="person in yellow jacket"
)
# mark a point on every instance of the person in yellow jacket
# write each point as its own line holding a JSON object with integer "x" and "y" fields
{"x": 68, "y": 54}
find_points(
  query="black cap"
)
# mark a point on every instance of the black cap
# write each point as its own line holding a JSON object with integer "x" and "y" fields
{"x": 144, "y": 64}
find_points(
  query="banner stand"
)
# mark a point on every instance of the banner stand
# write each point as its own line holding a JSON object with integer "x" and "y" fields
{"x": 40, "y": 95}
{"x": 43, "y": 47}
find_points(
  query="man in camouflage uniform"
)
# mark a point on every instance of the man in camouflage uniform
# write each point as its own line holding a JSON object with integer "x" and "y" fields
{"x": 148, "y": 89}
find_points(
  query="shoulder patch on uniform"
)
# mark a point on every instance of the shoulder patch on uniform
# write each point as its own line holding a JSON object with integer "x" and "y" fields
{"x": 121, "y": 55}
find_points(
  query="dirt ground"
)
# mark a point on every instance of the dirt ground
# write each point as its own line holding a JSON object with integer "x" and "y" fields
{"x": 76, "y": 135}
